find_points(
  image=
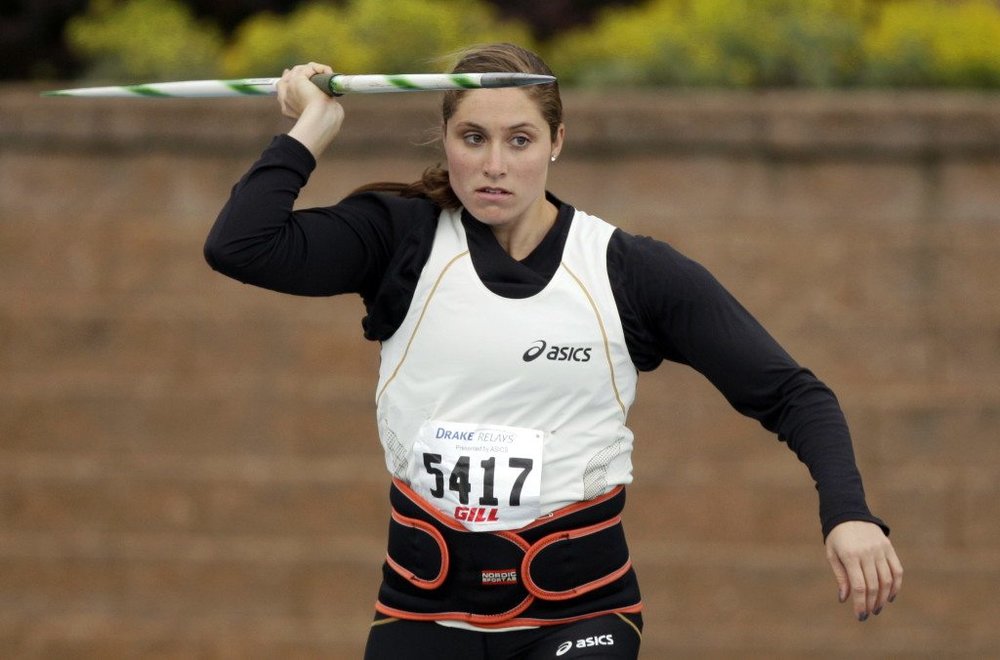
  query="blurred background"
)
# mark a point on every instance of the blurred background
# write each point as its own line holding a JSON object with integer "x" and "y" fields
{"x": 189, "y": 467}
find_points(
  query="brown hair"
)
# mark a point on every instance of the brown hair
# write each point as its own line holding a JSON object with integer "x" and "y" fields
{"x": 501, "y": 57}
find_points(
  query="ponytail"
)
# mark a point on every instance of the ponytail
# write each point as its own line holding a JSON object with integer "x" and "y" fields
{"x": 433, "y": 185}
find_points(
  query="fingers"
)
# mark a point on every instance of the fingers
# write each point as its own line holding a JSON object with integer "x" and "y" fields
{"x": 843, "y": 581}
{"x": 885, "y": 582}
{"x": 861, "y": 587}
{"x": 305, "y": 71}
{"x": 871, "y": 585}
{"x": 897, "y": 574}
{"x": 296, "y": 91}
{"x": 866, "y": 568}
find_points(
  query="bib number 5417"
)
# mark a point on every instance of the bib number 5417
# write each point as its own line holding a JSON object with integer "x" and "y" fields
{"x": 460, "y": 478}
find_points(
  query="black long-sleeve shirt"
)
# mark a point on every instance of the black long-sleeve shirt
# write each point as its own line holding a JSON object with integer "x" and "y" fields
{"x": 671, "y": 308}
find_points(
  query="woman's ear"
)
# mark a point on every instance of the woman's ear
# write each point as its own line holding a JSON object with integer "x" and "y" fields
{"x": 557, "y": 143}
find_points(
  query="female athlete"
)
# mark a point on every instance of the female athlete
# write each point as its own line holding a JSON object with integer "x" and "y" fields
{"x": 512, "y": 327}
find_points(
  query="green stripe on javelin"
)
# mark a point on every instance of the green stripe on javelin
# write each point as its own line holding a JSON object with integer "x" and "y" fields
{"x": 249, "y": 90}
{"x": 401, "y": 82}
{"x": 465, "y": 81}
{"x": 144, "y": 90}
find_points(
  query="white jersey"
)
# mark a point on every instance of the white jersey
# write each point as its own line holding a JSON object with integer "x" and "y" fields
{"x": 501, "y": 410}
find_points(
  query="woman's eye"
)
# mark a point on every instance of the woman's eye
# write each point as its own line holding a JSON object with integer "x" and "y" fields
{"x": 520, "y": 141}
{"x": 474, "y": 139}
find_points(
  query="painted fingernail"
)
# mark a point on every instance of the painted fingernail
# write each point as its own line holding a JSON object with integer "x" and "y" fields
{"x": 863, "y": 617}
{"x": 892, "y": 598}
{"x": 877, "y": 611}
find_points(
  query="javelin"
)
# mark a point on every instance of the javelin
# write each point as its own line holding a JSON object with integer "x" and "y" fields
{"x": 333, "y": 85}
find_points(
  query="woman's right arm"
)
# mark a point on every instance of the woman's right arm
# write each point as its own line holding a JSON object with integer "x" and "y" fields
{"x": 259, "y": 239}
{"x": 318, "y": 116}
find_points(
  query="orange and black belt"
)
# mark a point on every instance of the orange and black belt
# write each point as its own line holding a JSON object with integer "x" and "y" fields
{"x": 569, "y": 565}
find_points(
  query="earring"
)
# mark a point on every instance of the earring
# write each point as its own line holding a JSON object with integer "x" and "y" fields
{"x": 554, "y": 157}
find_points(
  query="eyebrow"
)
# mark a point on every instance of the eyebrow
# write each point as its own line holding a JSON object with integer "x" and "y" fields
{"x": 520, "y": 126}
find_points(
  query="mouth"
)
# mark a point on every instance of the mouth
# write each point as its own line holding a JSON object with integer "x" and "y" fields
{"x": 489, "y": 192}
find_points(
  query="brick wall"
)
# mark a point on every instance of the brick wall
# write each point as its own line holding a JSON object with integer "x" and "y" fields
{"x": 189, "y": 467}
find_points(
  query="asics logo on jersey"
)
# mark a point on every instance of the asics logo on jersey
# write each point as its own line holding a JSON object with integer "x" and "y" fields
{"x": 586, "y": 642}
{"x": 534, "y": 350}
{"x": 556, "y": 353}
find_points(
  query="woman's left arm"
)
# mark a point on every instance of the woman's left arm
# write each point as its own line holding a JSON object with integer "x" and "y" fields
{"x": 690, "y": 318}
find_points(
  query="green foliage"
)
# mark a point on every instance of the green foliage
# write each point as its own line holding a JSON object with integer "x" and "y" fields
{"x": 386, "y": 36}
{"x": 144, "y": 39}
{"x": 925, "y": 43}
{"x": 721, "y": 43}
{"x": 781, "y": 43}
{"x": 265, "y": 44}
{"x": 626, "y": 46}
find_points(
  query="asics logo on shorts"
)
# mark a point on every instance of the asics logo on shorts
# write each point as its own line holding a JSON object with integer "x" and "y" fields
{"x": 557, "y": 353}
{"x": 586, "y": 642}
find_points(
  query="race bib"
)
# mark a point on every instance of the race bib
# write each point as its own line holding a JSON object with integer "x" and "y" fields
{"x": 485, "y": 477}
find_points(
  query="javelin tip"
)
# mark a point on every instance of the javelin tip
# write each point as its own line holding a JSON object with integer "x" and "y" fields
{"x": 515, "y": 79}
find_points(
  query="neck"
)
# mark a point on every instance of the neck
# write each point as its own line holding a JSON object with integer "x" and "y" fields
{"x": 521, "y": 238}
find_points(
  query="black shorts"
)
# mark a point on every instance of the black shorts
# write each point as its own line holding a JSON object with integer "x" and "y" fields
{"x": 609, "y": 637}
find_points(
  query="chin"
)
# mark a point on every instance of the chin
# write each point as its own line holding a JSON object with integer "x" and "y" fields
{"x": 489, "y": 215}
{"x": 492, "y": 218}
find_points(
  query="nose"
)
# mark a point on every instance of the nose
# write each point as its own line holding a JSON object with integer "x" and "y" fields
{"x": 495, "y": 165}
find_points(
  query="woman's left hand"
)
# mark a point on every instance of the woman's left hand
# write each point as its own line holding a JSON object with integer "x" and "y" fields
{"x": 865, "y": 565}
